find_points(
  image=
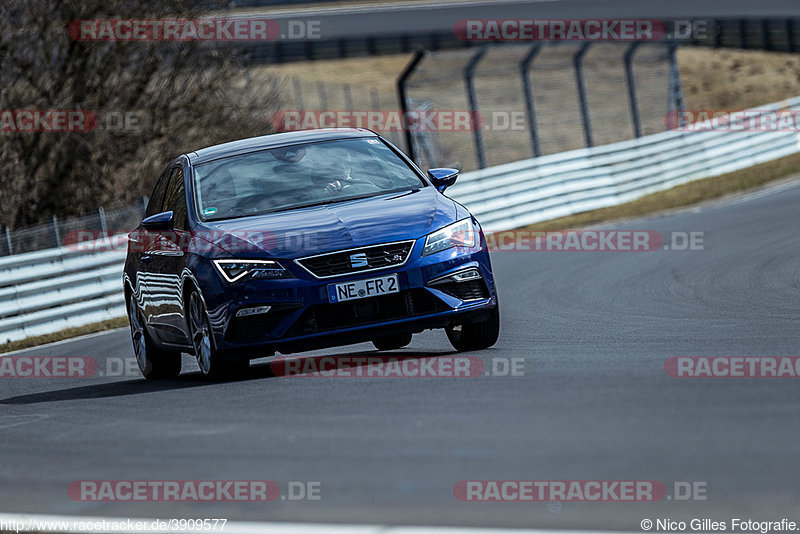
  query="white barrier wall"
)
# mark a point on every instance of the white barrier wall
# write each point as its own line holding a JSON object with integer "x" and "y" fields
{"x": 49, "y": 290}
{"x": 539, "y": 189}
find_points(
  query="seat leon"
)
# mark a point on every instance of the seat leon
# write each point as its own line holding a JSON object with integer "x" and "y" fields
{"x": 299, "y": 241}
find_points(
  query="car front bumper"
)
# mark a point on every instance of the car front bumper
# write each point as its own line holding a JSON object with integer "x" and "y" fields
{"x": 301, "y": 318}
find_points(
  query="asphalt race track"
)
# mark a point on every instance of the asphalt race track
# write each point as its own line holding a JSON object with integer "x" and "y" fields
{"x": 358, "y": 21}
{"x": 595, "y": 403}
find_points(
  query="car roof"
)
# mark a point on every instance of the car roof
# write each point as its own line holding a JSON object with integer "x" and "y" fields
{"x": 253, "y": 144}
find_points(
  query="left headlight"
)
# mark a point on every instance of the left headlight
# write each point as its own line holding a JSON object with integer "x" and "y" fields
{"x": 458, "y": 234}
{"x": 236, "y": 270}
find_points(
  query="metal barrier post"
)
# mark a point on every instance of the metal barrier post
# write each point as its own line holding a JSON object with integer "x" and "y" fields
{"x": 676, "y": 104}
{"x": 323, "y": 97}
{"x": 587, "y": 123}
{"x": 401, "y": 94}
{"x": 298, "y": 91}
{"x": 56, "y": 232}
{"x": 8, "y": 240}
{"x": 348, "y": 97}
{"x": 527, "y": 86}
{"x": 637, "y": 125}
{"x": 742, "y": 34}
{"x": 469, "y": 70}
{"x": 103, "y": 225}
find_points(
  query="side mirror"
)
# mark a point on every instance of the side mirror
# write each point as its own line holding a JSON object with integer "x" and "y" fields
{"x": 159, "y": 221}
{"x": 442, "y": 178}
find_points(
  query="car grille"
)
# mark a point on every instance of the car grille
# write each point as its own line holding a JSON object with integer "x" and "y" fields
{"x": 470, "y": 290}
{"x": 323, "y": 317}
{"x": 365, "y": 259}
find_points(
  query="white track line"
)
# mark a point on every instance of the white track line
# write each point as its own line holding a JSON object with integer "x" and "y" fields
{"x": 64, "y": 341}
{"x": 56, "y": 523}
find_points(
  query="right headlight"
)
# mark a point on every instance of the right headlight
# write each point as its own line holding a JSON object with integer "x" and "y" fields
{"x": 458, "y": 234}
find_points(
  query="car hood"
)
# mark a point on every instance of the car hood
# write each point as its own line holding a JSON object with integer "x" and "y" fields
{"x": 317, "y": 229}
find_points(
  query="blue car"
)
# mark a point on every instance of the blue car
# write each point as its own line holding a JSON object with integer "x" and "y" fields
{"x": 298, "y": 241}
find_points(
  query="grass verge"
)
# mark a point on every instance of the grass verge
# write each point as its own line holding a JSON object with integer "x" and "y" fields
{"x": 677, "y": 197}
{"x": 681, "y": 196}
{"x": 63, "y": 334}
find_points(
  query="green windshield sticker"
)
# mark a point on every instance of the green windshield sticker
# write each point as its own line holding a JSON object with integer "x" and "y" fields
{"x": 209, "y": 211}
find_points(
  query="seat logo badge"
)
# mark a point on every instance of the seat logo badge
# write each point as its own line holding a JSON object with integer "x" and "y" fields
{"x": 358, "y": 260}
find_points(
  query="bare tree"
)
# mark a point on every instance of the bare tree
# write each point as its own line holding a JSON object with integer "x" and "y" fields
{"x": 191, "y": 95}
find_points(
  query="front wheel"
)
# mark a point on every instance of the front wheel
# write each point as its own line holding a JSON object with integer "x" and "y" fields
{"x": 212, "y": 363}
{"x": 153, "y": 362}
{"x": 481, "y": 335}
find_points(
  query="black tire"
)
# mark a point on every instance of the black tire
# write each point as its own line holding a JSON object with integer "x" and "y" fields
{"x": 481, "y": 335}
{"x": 212, "y": 362}
{"x": 397, "y": 341}
{"x": 154, "y": 363}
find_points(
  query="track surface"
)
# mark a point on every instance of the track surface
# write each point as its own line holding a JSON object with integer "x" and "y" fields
{"x": 359, "y": 21}
{"x": 594, "y": 330}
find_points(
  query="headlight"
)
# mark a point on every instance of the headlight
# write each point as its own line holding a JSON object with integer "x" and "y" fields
{"x": 460, "y": 234}
{"x": 235, "y": 270}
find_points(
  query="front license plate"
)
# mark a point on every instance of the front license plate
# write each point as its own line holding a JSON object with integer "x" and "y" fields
{"x": 361, "y": 289}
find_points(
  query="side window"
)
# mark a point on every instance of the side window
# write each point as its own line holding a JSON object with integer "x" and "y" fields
{"x": 175, "y": 199}
{"x": 157, "y": 197}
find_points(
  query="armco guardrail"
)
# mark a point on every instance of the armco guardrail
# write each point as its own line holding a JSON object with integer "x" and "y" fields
{"x": 49, "y": 290}
{"x": 539, "y": 189}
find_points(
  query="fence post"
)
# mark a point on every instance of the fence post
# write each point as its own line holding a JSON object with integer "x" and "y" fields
{"x": 676, "y": 104}
{"x": 765, "y": 40}
{"x": 469, "y": 70}
{"x": 298, "y": 91}
{"x": 8, "y": 240}
{"x": 527, "y": 86}
{"x": 323, "y": 97}
{"x": 103, "y": 226}
{"x": 587, "y": 123}
{"x": 637, "y": 125}
{"x": 742, "y": 34}
{"x": 403, "y": 96}
{"x": 56, "y": 232}
{"x": 348, "y": 97}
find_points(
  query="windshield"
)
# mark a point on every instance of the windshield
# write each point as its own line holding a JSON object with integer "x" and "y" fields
{"x": 299, "y": 175}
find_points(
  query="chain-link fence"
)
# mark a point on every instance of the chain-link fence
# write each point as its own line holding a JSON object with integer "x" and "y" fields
{"x": 304, "y": 95}
{"x": 538, "y": 99}
{"x": 70, "y": 231}
{"x": 523, "y": 101}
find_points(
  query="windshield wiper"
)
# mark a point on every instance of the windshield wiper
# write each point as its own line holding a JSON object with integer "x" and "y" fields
{"x": 332, "y": 201}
